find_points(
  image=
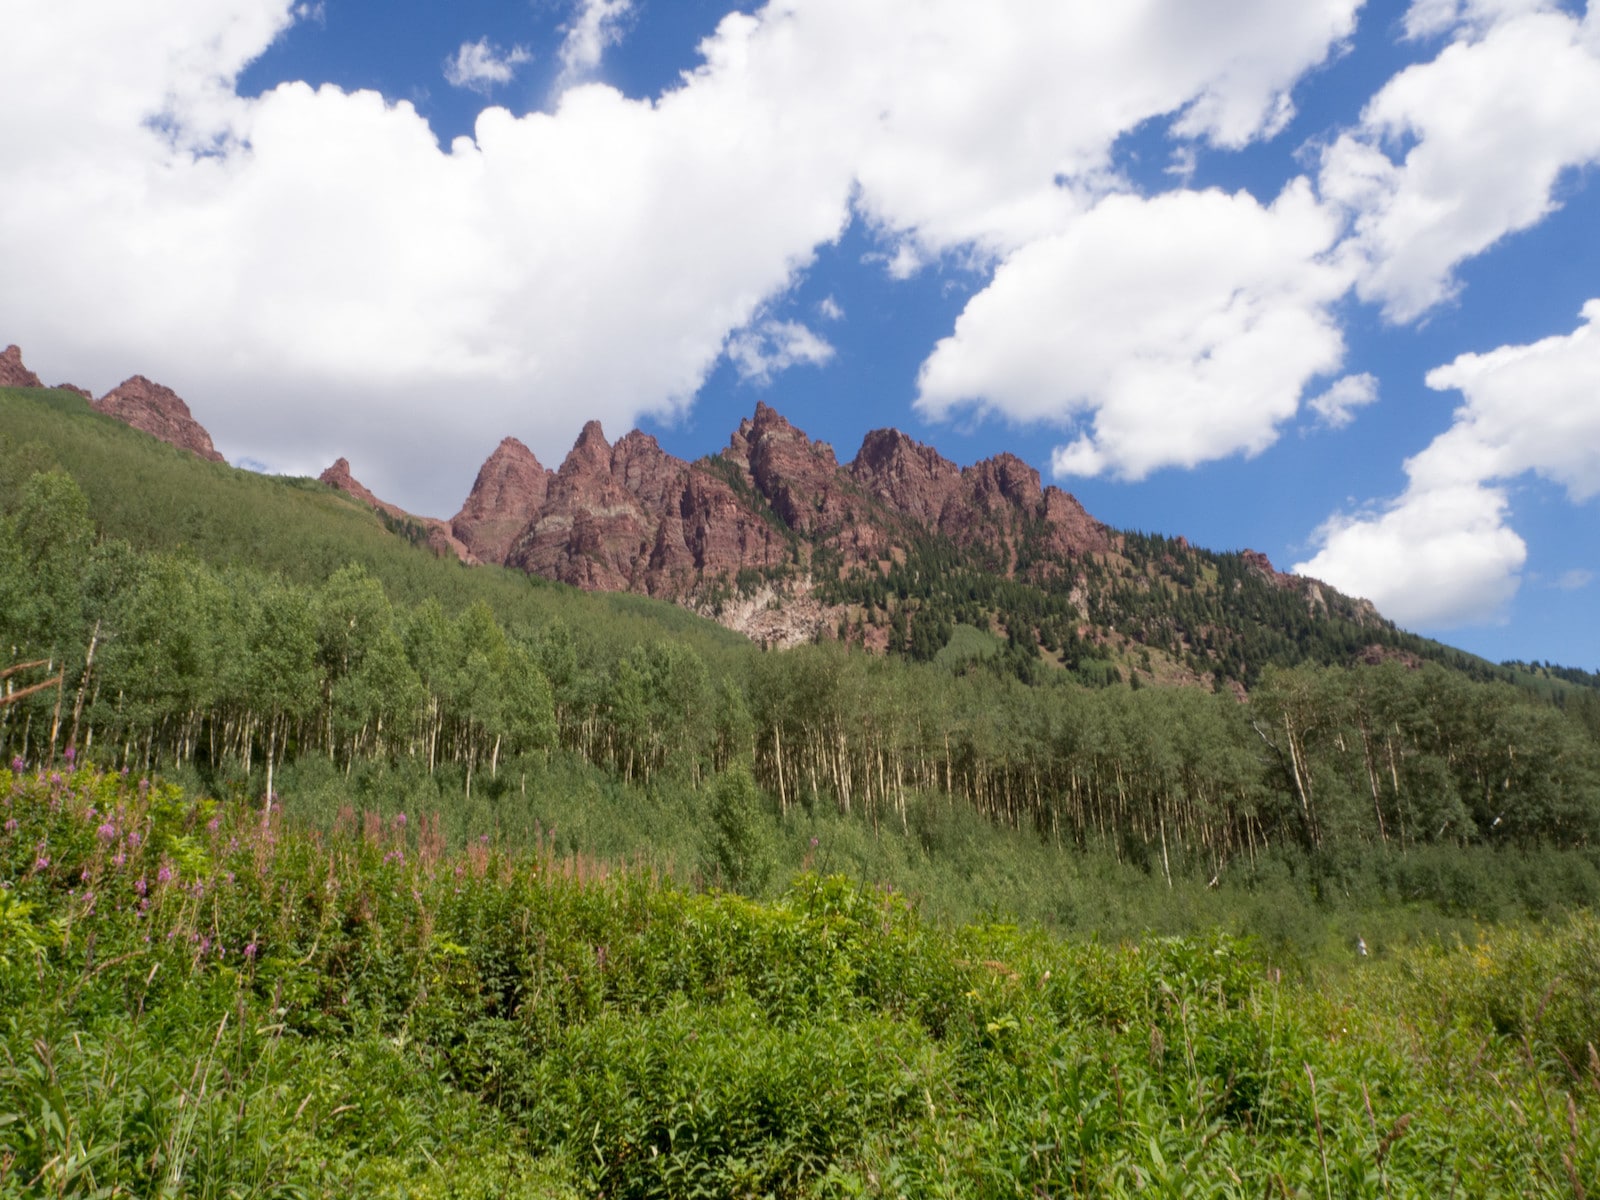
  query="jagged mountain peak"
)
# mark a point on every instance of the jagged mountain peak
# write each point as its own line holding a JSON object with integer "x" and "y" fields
{"x": 13, "y": 373}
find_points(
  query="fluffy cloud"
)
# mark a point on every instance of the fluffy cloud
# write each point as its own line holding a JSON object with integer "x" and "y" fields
{"x": 1183, "y": 327}
{"x": 1443, "y": 553}
{"x": 1487, "y": 129}
{"x": 990, "y": 125}
{"x": 479, "y": 66}
{"x": 316, "y": 273}
{"x": 772, "y": 347}
{"x": 597, "y": 25}
{"x": 1436, "y": 558}
{"x": 1335, "y": 408}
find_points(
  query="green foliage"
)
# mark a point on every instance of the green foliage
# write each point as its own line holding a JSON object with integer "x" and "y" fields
{"x": 739, "y": 856}
{"x": 362, "y": 1014}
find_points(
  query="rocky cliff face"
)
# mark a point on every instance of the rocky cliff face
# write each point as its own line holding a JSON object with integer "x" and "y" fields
{"x": 12, "y": 373}
{"x": 630, "y": 517}
{"x": 430, "y": 531}
{"x": 160, "y": 412}
{"x": 509, "y": 491}
{"x": 146, "y": 406}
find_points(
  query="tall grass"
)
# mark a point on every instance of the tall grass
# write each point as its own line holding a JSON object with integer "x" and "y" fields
{"x": 195, "y": 1005}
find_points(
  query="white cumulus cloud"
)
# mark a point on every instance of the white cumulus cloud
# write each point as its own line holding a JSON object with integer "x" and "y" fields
{"x": 772, "y": 347}
{"x": 1336, "y": 407}
{"x": 318, "y": 276}
{"x": 1454, "y": 154}
{"x": 1180, "y": 329}
{"x": 596, "y": 25}
{"x": 1443, "y": 553}
{"x": 479, "y": 66}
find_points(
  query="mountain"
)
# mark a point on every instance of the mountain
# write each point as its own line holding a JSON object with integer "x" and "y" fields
{"x": 774, "y": 506}
{"x": 160, "y": 412}
{"x": 898, "y": 550}
{"x": 426, "y": 531}
{"x": 136, "y": 401}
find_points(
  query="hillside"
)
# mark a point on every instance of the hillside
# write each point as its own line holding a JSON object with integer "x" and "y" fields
{"x": 213, "y": 620}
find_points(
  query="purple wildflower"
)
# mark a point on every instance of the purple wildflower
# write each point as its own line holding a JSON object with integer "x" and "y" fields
{"x": 107, "y": 832}
{"x": 250, "y": 952}
{"x": 42, "y": 863}
{"x": 400, "y": 821}
{"x": 11, "y": 825}
{"x": 17, "y": 765}
{"x": 71, "y": 755}
{"x": 164, "y": 875}
{"x": 140, "y": 886}
{"x": 118, "y": 859}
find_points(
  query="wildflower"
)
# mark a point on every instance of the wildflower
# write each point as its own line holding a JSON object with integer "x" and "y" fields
{"x": 17, "y": 765}
{"x": 250, "y": 951}
{"x": 134, "y": 839}
{"x": 42, "y": 863}
{"x": 141, "y": 886}
{"x": 400, "y": 821}
{"x": 214, "y": 824}
{"x": 164, "y": 875}
{"x": 118, "y": 859}
{"x": 71, "y": 754}
{"x": 107, "y": 832}
{"x": 11, "y": 825}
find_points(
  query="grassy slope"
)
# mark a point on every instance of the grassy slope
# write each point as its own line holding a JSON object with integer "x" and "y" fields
{"x": 161, "y": 498}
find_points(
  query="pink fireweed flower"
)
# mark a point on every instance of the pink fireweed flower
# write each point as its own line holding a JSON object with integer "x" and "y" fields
{"x": 118, "y": 859}
{"x": 107, "y": 832}
{"x": 250, "y": 951}
{"x": 164, "y": 875}
{"x": 17, "y": 765}
{"x": 400, "y": 821}
{"x": 140, "y": 886}
{"x": 71, "y": 754}
{"x": 11, "y": 825}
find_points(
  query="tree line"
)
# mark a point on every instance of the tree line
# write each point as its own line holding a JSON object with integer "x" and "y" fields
{"x": 166, "y": 659}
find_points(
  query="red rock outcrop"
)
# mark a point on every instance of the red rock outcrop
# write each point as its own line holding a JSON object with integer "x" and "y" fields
{"x": 632, "y": 517}
{"x": 508, "y": 493}
{"x": 160, "y": 412}
{"x": 907, "y": 476}
{"x": 433, "y": 532}
{"x": 12, "y": 373}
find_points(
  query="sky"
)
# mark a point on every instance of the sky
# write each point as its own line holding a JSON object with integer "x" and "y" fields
{"x": 1314, "y": 277}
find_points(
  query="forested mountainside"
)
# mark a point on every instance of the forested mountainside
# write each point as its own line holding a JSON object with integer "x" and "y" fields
{"x": 901, "y": 551}
{"x": 200, "y": 616}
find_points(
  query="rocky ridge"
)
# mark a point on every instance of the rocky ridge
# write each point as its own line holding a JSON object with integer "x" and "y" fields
{"x": 761, "y": 535}
{"x": 158, "y": 411}
{"x": 137, "y": 402}
{"x": 429, "y": 531}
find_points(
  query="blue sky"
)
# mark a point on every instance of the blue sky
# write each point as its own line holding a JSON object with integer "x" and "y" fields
{"x": 1308, "y": 278}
